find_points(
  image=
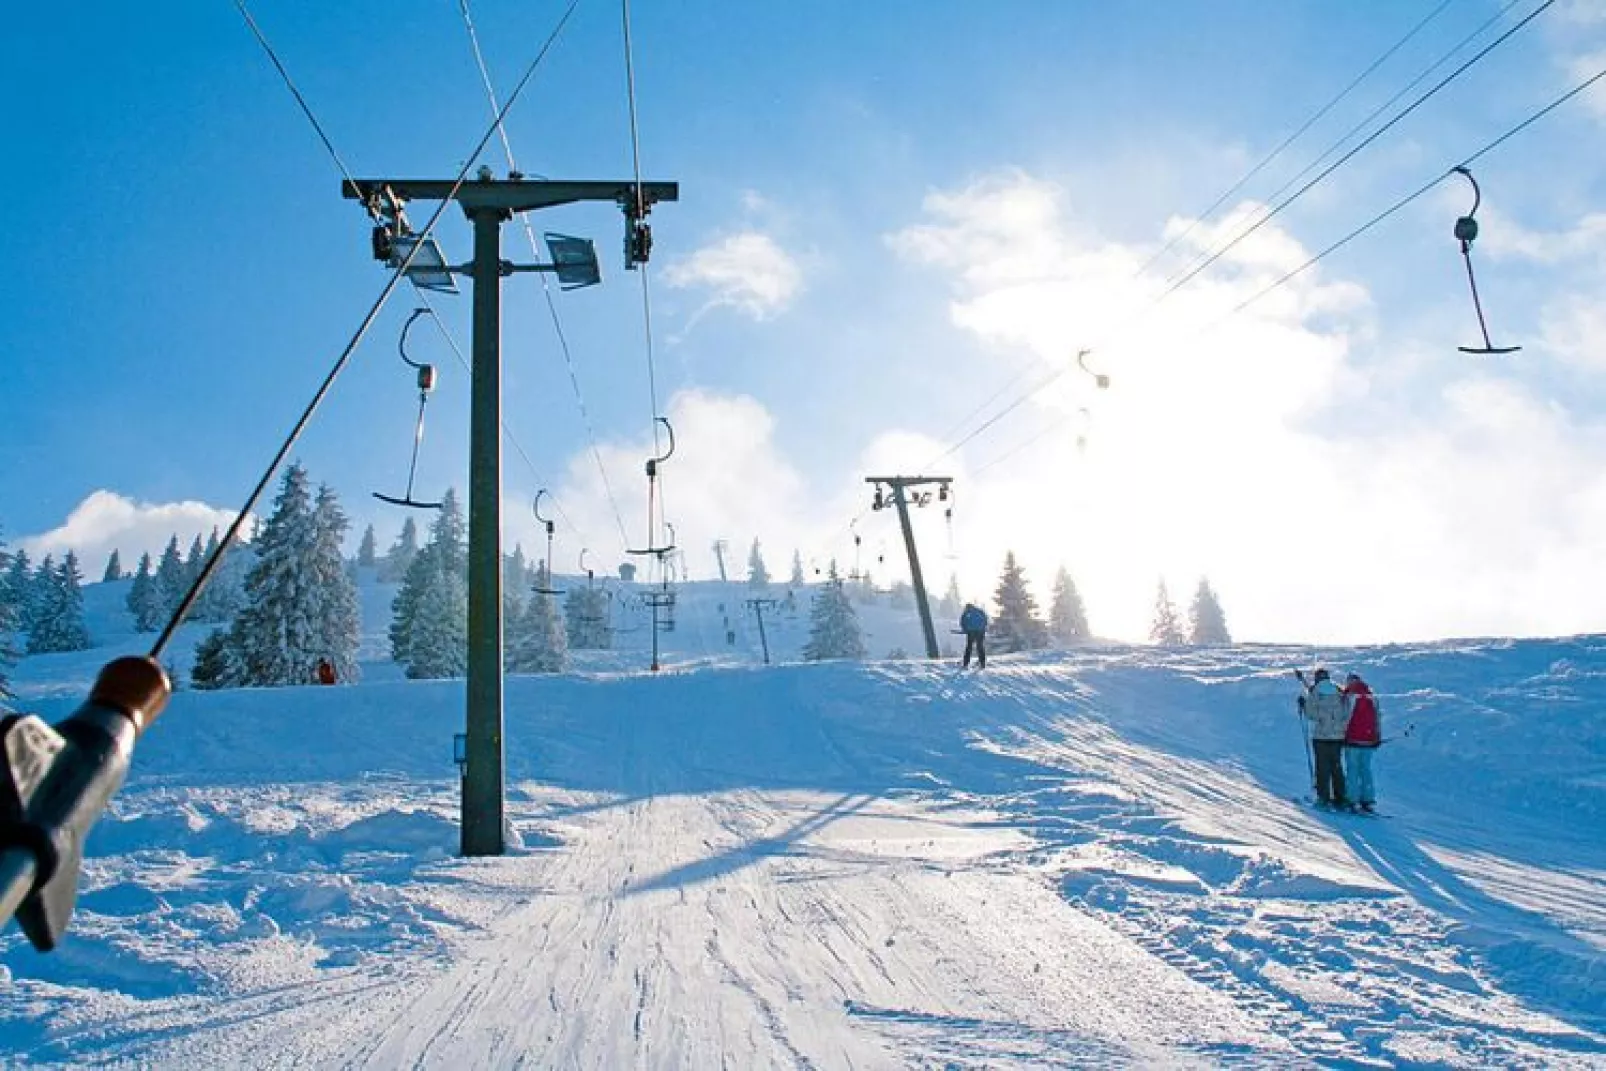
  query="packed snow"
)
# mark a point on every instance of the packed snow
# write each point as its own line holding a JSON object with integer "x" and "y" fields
{"x": 1089, "y": 858}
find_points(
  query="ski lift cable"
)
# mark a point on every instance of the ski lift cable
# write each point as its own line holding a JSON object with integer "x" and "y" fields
{"x": 209, "y": 569}
{"x": 1419, "y": 192}
{"x": 507, "y": 432}
{"x": 641, "y": 209}
{"x": 546, "y": 287}
{"x": 1266, "y": 217}
{"x": 1400, "y": 204}
{"x": 1277, "y": 209}
{"x": 1315, "y": 117}
{"x": 1389, "y": 103}
{"x": 306, "y": 109}
{"x": 1328, "y": 152}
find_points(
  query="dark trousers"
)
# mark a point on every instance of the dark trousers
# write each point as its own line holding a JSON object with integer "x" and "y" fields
{"x": 977, "y": 642}
{"x": 1329, "y": 770}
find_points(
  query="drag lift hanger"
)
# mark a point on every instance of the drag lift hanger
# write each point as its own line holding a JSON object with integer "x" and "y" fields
{"x": 1466, "y": 231}
{"x": 1087, "y": 422}
{"x": 1101, "y": 380}
{"x": 652, "y": 491}
{"x": 536, "y": 505}
{"x": 426, "y": 383}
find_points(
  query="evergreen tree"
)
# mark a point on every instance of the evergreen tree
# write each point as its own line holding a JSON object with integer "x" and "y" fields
{"x": 213, "y": 668}
{"x": 38, "y": 595}
{"x": 144, "y": 601}
{"x": 114, "y": 568}
{"x": 221, "y": 598}
{"x": 1067, "y": 619}
{"x": 171, "y": 577}
{"x": 757, "y": 575}
{"x": 20, "y": 590}
{"x": 1016, "y": 625}
{"x": 339, "y": 621}
{"x": 1207, "y": 622}
{"x": 585, "y": 616}
{"x": 401, "y": 554}
{"x": 1166, "y": 630}
{"x": 366, "y": 551}
{"x": 833, "y": 625}
{"x": 277, "y": 638}
{"x": 8, "y": 622}
{"x": 798, "y": 580}
{"x": 538, "y": 644}
{"x": 429, "y": 616}
{"x": 59, "y": 613}
{"x": 194, "y": 562}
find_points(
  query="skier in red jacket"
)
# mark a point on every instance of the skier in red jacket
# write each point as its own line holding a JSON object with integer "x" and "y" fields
{"x": 1361, "y": 739}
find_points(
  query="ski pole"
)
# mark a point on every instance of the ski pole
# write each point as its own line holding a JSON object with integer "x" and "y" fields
{"x": 1304, "y": 732}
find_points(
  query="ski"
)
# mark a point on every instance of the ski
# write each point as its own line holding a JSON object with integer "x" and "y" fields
{"x": 1326, "y": 808}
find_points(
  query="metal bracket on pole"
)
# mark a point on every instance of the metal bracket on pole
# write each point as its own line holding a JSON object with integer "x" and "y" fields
{"x": 897, "y": 495}
{"x": 488, "y": 202}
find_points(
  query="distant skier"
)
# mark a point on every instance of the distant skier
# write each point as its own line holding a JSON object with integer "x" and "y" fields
{"x": 1324, "y": 705}
{"x": 1361, "y": 740}
{"x": 973, "y": 623}
{"x": 326, "y": 671}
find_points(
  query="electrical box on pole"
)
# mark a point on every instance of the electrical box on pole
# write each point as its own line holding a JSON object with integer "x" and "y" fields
{"x": 900, "y": 492}
{"x": 489, "y": 202}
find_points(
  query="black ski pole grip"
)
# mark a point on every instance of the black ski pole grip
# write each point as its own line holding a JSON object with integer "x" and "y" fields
{"x": 54, "y": 784}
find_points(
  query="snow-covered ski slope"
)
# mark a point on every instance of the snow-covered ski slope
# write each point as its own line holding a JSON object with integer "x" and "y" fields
{"x": 1091, "y": 859}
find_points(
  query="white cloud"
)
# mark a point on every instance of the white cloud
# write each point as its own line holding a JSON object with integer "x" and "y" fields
{"x": 747, "y": 271}
{"x": 107, "y": 521}
{"x": 725, "y": 480}
{"x": 1329, "y": 490}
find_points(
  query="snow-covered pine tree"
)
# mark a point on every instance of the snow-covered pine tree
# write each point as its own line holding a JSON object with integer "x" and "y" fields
{"x": 144, "y": 601}
{"x": 222, "y": 596}
{"x": 429, "y": 616}
{"x": 401, "y": 554}
{"x": 1207, "y": 622}
{"x": 276, "y": 638}
{"x": 59, "y": 613}
{"x": 833, "y": 625}
{"x": 1016, "y": 625}
{"x": 21, "y": 589}
{"x": 538, "y": 644}
{"x": 172, "y": 580}
{"x": 1067, "y": 618}
{"x": 366, "y": 551}
{"x": 339, "y": 619}
{"x": 114, "y": 568}
{"x": 1166, "y": 630}
{"x": 798, "y": 579}
{"x": 213, "y": 668}
{"x": 758, "y": 575}
{"x": 585, "y": 617}
{"x": 8, "y": 623}
{"x": 194, "y": 562}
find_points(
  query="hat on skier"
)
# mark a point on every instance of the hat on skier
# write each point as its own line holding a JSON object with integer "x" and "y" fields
{"x": 1352, "y": 678}
{"x": 1322, "y": 675}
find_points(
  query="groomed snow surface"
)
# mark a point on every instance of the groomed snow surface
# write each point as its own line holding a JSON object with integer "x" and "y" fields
{"x": 1090, "y": 859}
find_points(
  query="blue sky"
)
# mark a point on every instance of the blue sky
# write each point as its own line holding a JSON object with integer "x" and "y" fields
{"x": 887, "y": 212}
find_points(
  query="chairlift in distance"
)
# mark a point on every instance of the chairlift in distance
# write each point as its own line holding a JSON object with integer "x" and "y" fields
{"x": 1466, "y": 232}
{"x": 426, "y": 384}
{"x": 550, "y": 527}
{"x": 1099, "y": 379}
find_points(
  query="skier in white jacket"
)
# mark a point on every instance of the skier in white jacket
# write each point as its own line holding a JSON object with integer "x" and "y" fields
{"x": 1324, "y": 706}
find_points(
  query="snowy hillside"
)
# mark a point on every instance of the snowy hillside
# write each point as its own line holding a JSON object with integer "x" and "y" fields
{"x": 1090, "y": 859}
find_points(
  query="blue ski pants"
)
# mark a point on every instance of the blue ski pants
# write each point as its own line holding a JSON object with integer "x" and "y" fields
{"x": 1358, "y": 768}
